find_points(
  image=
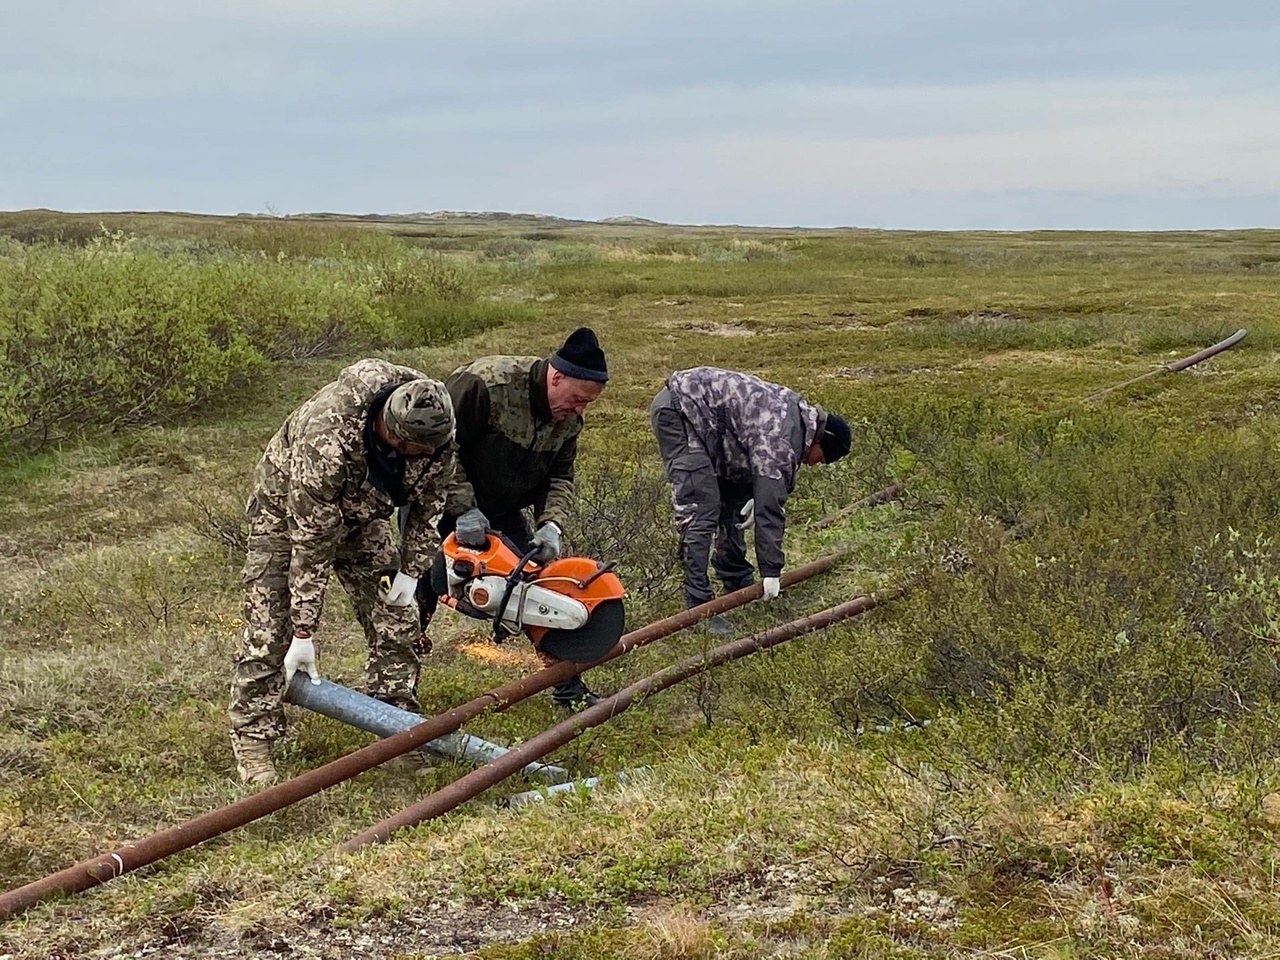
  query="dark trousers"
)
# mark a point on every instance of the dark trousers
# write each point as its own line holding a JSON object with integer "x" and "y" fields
{"x": 706, "y": 506}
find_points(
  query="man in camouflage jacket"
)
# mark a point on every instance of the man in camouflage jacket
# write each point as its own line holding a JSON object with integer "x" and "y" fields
{"x": 518, "y": 420}
{"x": 378, "y": 437}
{"x": 731, "y": 444}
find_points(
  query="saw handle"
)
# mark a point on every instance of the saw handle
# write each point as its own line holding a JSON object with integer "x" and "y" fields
{"x": 601, "y": 570}
{"x": 516, "y": 575}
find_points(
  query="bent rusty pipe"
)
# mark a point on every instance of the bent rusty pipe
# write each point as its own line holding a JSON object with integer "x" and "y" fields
{"x": 891, "y": 492}
{"x": 473, "y": 783}
{"x": 1173, "y": 366}
{"x": 108, "y": 866}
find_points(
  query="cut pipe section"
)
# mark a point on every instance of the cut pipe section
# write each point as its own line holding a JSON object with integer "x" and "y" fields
{"x": 544, "y": 793}
{"x": 337, "y": 702}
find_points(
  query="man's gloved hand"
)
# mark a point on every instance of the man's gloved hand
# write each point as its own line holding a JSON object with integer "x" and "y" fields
{"x": 472, "y": 529}
{"x": 300, "y": 656}
{"x": 772, "y": 587}
{"x": 547, "y": 540}
{"x": 403, "y": 592}
{"x": 748, "y": 514}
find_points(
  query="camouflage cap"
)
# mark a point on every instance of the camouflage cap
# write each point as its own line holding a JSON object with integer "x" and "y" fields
{"x": 421, "y": 412}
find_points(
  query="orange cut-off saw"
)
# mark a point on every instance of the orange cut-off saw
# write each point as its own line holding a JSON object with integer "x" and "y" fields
{"x": 570, "y": 608}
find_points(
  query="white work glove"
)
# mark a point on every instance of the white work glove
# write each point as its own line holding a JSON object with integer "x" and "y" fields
{"x": 472, "y": 529}
{"x": 403, "y": 592}
{"x": 748, "y": 514}
{"x": 547, "y": 540}
{"x": 301, "y": 656}
{"x": 772, "y": 587}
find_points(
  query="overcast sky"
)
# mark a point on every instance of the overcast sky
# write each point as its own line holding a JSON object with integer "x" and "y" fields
{"x": 901, "y": 113}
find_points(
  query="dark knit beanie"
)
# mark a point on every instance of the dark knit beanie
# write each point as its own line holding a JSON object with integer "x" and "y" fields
{"x": 836, "y": 438}
{"x": 581, "y": 357}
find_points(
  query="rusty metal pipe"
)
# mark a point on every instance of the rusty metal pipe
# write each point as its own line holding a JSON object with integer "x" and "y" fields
{"x": 475, "y": 782}
{"x": 1174, "y": 366}
{"x": 883, "y": 495}
{"x": 108, "y": 866}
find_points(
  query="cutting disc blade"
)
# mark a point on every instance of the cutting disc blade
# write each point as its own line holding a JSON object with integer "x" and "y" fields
{"x": 592, "y": 640}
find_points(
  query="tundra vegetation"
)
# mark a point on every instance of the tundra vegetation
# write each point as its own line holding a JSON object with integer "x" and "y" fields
{"x": 1062, "y": 743}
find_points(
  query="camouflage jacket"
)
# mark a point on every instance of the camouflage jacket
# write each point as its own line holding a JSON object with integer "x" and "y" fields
{"x": 511, "y": 453}
{"x": 315, "y": 475}
{"x": 755, "y": 433}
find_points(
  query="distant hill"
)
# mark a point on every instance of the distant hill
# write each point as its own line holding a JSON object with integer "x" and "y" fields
{"x": 471, "y": 215}
{"x": 633, "y": 221}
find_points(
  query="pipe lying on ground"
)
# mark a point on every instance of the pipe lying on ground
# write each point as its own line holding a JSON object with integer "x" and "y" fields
{"x": 1174, "y": 366}
{"x": 883, "y": 495}
{"x": 337, "y": 702}
{"x": 891, "y": 492}
{"x": 542, "y": 793}
{"x": 108, "y": 866}
{"x": 464, "y": 788}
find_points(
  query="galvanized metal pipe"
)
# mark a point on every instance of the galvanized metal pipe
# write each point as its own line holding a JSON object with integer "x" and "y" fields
{"x": 108, "y": 866}
{"x": 542, "y": 793}
{"x": 477, "y": 781}
{"x": 337, "y": 702}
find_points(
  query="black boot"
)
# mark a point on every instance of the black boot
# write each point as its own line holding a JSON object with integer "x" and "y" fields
{"x": 720, "y": 626}
{"x": 573, "y": 694}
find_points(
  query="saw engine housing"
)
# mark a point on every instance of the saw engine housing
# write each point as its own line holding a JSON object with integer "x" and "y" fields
{"x": 570, "y": 608}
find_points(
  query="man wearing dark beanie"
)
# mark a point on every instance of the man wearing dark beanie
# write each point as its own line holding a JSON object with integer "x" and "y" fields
{"x": 731, "y": 444}
{"x": 518, "y": 420}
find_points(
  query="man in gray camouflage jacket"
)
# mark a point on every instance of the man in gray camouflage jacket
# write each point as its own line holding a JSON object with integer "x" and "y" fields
{"x": 731, "y": 444}
{"x": 378, "y": 437}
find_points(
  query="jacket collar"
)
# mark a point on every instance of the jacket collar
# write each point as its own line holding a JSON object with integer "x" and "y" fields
{"x": 538, "y": 402}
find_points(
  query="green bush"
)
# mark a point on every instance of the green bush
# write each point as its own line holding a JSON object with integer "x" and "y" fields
{"x": 426, "y": 321}
{"x": 129, "y": 328}
{"x": 111, "y": 334}
{"x": 509, "y": 248}
{"x": 1110, "y": 588}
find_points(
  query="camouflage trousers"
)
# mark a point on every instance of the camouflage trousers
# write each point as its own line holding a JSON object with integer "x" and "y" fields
{"x": 257, "y": 686}
{"x": 706, "y": 506}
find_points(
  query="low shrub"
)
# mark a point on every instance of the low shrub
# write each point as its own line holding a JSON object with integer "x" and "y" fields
{"x": 128, "y": 329}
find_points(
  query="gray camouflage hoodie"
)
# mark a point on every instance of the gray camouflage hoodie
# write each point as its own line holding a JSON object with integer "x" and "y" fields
{"x": 755, "y": 433}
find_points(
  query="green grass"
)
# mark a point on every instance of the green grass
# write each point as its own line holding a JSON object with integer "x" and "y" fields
{"x": 1091, "y": 633}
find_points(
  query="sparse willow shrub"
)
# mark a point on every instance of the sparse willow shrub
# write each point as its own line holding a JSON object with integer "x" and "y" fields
{"x": 277, "y": 238}
{"x": 118, "y": 334}
{"x": 509, "y": 248}
{"x": 573, "y": 254}
{"x": 1123, "y": 616}
{"x": 103, "y": 595}
{"x": 624, "y": 514}
{"x": 424, "y": 321}
{"x": 222, "y": 523}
